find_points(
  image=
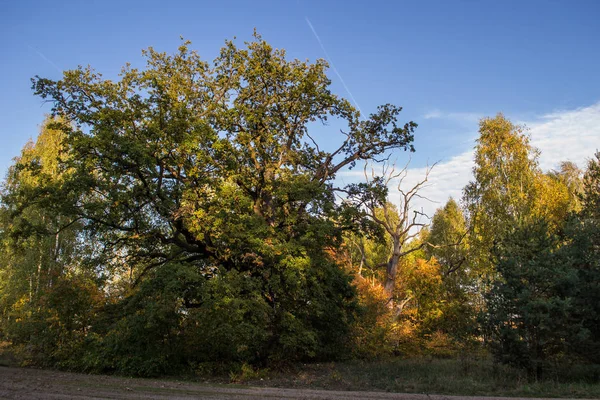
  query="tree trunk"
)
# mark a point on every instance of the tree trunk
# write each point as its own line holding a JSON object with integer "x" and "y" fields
{"x": 391, "y": 272}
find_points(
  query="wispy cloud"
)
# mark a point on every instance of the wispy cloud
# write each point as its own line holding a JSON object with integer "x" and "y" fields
{"x": 43, "y": 57}
{"x": 455, "y": 116}
{"x": 572, "y": 135}
{"x": 314, "y": 31}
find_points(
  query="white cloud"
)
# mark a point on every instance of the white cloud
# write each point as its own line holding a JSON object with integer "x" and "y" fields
{"x": 567, "y": 136}
{"x": 464, "y": 117}
{"x": 572, "y": 135}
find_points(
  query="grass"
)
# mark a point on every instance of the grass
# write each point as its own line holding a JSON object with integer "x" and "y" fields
{"x": 464, "y": 376}
{"x": 470, "y": 376}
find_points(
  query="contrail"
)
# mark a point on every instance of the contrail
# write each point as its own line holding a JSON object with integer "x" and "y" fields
{"x": 312, "y": 28}
{"x": 39, "y": 53}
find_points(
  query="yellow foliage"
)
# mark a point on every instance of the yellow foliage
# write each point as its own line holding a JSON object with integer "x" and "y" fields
{"x": 372, "y": 330}
{"x": 553, "y": 200}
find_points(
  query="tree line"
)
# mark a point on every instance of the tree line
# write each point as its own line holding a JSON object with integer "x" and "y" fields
{"x": 184, "y": 217}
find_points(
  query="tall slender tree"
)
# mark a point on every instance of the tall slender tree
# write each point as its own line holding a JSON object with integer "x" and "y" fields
{"x": 503, "y": 191}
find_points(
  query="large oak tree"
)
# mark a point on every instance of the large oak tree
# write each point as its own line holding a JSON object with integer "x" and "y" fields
{"x": 203, "y": 181}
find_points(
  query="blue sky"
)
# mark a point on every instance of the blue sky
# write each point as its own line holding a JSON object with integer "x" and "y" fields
{"x": 448, "y": 63}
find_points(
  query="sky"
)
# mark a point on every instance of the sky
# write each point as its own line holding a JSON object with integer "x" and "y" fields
{"x": 447, "y": 63}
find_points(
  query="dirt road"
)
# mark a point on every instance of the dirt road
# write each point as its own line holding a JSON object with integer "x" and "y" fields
{"x": 19, "y": 383}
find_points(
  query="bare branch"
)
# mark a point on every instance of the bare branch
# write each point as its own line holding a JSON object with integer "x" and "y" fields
{"x": 402, "y": 226}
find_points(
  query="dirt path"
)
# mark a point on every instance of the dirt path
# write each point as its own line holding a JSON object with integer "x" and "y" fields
{"x": 20, "y": 383}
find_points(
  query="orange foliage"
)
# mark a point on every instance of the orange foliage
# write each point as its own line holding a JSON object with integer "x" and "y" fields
{"x": 373, "y": 328}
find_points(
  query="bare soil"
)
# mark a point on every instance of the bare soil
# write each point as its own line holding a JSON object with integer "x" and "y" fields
{"x": 25, "y": 383}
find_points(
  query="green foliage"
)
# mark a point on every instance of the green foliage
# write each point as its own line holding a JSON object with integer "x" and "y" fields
{"x": 47, "y": 301}
{"x": 583, "y": 252}
{"x": 447, "y": 238}
{"x": 545, "y": 307}
{"x": 51, "y": 330}
{"x": 590, "y": 196}
{"x": 530, "y": 304}
{"x": 448, "y": 244}
{"x": 583, "y": 256}
{"x": 570, "y": 176}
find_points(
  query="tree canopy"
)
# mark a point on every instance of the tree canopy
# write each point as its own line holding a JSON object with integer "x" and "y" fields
{"x": 174, "y": 161}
